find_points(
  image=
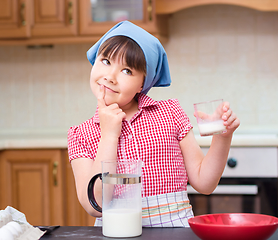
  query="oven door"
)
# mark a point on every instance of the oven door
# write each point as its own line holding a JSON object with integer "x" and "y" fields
{"x": 248, "y": 184}
{"x": 244, "y": 195}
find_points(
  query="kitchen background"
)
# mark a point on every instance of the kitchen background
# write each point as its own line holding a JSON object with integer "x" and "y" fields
{"x": 214, "y": 51}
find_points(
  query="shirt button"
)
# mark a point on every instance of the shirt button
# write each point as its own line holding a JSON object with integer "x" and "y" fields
{"x": 130, "y": 136}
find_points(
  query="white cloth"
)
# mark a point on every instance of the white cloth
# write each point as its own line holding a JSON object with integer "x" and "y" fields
{"x": 26, "y": 232}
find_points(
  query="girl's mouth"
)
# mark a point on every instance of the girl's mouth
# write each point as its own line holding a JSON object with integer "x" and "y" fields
{"x": 109, "y": 89}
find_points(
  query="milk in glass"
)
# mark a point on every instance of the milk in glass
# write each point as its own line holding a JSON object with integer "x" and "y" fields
{"x": 209, "y": 128}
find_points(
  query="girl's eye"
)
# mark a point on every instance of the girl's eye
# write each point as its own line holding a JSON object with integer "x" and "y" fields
{"x": 127, "y": 71}
{"x": 105, "y": 61}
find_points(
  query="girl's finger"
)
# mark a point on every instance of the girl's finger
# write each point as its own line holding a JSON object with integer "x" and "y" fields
{"x": 231, "y": 120}
{"x": 101, "y": 96}
{"x": 226, "y": 106}
{"x": 227, "y": 115}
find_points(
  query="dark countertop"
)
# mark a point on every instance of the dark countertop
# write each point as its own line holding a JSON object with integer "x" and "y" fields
{"x": 76, "y": 233}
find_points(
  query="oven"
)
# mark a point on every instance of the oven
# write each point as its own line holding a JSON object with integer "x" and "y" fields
{"x": 248, "y": 185}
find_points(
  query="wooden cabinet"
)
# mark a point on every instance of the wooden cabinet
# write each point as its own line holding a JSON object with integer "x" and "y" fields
{"x": 40, "y": 22}
{"x": 13, "y": 22}
{"x": 121, "y": 10}
{"x": 31, "y": 181}
{"x": 38, "y": 18}
{"x": 40, "y": 184}
{"x": 167, "y": 7}
{"x": 34, "y": 22}
{"x": 100, "y": 20}
{"x": 54, "y": 18}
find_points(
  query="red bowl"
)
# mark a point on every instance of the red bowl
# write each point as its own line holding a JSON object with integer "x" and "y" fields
{"x": 233, "y": 226}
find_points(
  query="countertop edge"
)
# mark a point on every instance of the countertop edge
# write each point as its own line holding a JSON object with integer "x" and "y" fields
{"x": 61, "y": 142}
{"x": 34, "y": 143}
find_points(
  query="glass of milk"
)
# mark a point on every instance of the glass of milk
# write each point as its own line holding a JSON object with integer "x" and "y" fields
{"x": 209, "y": 117}
{"x": 121, "y": 198}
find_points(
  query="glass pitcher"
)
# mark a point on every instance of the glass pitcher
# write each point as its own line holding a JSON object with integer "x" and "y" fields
{"x": 121, "y": 198}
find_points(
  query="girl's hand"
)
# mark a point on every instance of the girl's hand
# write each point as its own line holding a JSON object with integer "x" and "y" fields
{"x": 231, "y": 121}
{"x": 110, "y": 116}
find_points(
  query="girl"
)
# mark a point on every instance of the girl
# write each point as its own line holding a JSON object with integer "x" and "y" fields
{"x": 127, "y": 61}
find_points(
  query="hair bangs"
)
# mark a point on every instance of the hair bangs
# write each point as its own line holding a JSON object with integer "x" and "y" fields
{"x": 125, "y": 49}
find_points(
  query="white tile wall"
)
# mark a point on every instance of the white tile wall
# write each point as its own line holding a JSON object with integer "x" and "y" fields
{"x": 216, "y": 51}
{"x": 227, "y": 52}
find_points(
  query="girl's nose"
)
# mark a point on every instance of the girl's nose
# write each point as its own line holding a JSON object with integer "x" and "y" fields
{"x": 111, "y": 77}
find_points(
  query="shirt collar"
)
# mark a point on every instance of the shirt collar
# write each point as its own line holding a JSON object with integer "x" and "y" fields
{"x": 143, "y": 102}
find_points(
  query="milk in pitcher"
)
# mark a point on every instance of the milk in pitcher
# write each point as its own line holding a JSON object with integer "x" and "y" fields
{"x": 121, "y": 223}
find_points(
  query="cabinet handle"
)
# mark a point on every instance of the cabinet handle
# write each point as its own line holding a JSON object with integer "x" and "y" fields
{"x": 150, "y": 10}
{"x": 70, "y": 4}
{"x": 55, "y": 172}
{"x": 22, "y": 18}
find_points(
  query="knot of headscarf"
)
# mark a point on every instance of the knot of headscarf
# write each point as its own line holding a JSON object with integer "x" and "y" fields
{"x": 158, "y": 74}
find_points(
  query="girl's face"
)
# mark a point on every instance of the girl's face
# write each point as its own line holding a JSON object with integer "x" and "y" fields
{"x": 121, "y": 83}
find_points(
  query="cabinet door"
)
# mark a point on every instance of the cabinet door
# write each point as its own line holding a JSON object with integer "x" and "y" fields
{"x": 75, "y": 213}
{"x": 98, "y": 16}
{"x": 14, "y": 19}
{"x": 54, "y": 18}
{"x": 31, "y": 181}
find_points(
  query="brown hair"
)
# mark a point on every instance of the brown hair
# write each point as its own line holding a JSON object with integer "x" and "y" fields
{"x": 127, "y": 49}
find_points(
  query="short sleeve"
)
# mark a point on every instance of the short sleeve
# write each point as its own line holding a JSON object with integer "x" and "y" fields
{"x": 181, "y": 120}
{"x": 77, "y": 147}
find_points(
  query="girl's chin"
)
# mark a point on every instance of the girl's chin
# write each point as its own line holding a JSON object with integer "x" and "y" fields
{"x": 109, "y": 101}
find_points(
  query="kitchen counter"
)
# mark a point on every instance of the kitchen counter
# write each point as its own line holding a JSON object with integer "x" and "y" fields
{"x": 60, "y": 141}
{"x": 77, "y": 233}
{"x": 33, "y": 142}
{"x": 245, "y": 140}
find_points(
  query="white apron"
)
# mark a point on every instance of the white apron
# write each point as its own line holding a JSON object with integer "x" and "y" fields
{"x": 165, "y": 210}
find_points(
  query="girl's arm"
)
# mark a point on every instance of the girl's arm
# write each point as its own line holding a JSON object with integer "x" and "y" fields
{"x": 84, "y": 169}
{"x": 204, "y": 172}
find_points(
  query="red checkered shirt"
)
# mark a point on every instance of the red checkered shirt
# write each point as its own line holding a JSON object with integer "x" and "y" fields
{"x": 152, "y": 135}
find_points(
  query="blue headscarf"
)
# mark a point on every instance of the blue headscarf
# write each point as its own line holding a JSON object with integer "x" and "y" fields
{"x": 158, "y": 74}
